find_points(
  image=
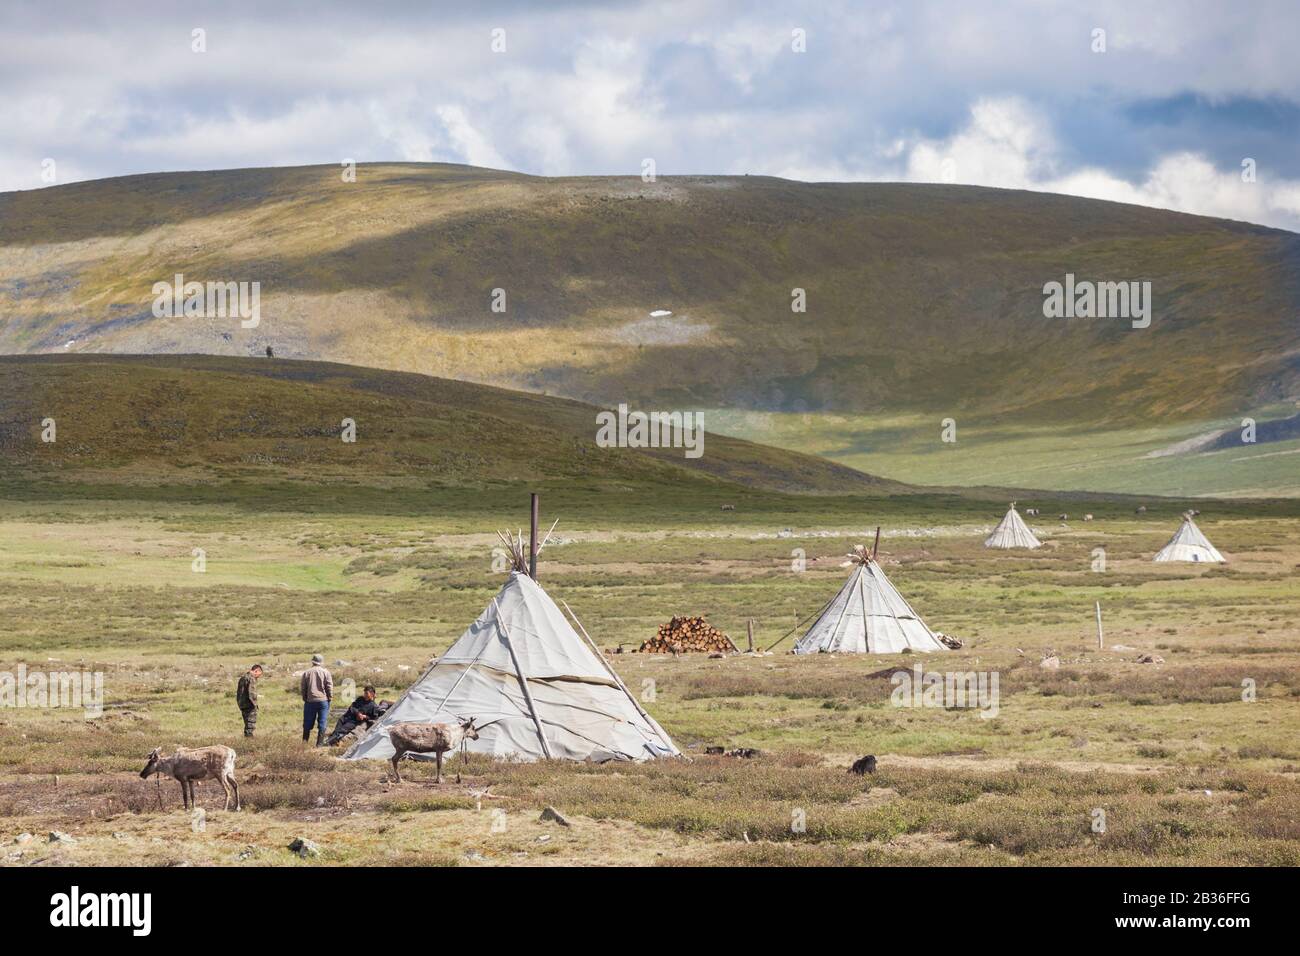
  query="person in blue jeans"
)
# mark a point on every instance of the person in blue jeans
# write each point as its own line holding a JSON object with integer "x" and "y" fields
{"x": 317, "y": 692}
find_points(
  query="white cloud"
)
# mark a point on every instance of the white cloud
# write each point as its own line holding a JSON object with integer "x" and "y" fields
{"x": 1006, "y": 144}
{"x": 468, "y": 141}
{"x": 895, "y": 91}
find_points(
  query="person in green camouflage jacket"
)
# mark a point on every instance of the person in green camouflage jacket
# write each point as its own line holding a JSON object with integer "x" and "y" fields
{"x": 246, "y": 697}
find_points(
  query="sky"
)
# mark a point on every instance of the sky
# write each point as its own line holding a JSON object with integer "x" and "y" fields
{"x": 1193, "y": 106}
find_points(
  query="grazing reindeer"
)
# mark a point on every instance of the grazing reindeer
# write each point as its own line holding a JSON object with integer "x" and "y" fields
{"x": 728, "y": 507}
{"x": 413, "y": 737}
{"x": 1087, "y": 517}
{"x": 1064, "y": 517}
{"x": 201, "y": 763}
{"x": 1141, "y": 510}
{"x": 1032, "y": 512}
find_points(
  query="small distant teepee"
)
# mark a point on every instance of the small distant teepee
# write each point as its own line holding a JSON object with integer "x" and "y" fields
{"x": 1189, "y": 544}
{"x": 868, "y": 616}
{"x": 1012, "y": 532}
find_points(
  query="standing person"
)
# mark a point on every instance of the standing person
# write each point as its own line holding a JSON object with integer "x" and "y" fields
{"x": 317, "y": 692}
{"x": 246, "y": 697}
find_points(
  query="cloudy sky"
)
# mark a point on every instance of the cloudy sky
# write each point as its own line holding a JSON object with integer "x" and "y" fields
{"x": 1012, "y": 94}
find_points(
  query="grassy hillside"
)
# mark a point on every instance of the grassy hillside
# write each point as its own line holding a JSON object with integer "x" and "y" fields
{"x": 191, "y": 418}
{"x": 1136, "y": 459}
{"x": 923, "y": 300}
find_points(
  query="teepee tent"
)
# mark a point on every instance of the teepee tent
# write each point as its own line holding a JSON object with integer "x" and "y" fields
{"x": 1189, "y": 544}
{"x": 534, "y": 688}
{"x": 868, "y": 616}
{"x": 1012, "y": 532}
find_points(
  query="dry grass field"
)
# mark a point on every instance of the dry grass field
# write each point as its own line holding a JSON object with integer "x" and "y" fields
{"x": 1185, "y": 770}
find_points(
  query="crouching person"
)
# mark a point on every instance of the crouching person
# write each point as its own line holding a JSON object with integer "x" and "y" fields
{"x": 317, "y": 692}
{"x": 364, "y": 711}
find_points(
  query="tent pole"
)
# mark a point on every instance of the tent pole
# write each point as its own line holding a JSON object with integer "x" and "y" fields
{"x": 844, "y": 610}
{"x": 447, "y": 696}
{"x": 532, "y": 537}
{"x": 866, "y": 616}
{"x": 523, "y": 684}
{"x": 618, "y": 680}
{"x": 815, "y": 614}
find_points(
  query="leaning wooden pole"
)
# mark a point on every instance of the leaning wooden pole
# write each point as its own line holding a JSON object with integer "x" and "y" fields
{"x": 1101, "y": 642}
{"x": 877, "y": 543}
{"x": 532, "y": 539}
{"x": 523, "y": 681}
{"x": 654, "y": 724}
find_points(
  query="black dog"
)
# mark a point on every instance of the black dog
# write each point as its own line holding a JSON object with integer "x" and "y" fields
{"x": 864, "y": 765}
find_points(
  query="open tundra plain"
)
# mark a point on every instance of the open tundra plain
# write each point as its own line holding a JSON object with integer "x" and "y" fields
{"x": 381, "y": 560}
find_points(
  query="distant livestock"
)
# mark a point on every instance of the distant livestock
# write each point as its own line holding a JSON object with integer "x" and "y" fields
{"x": 1087, "y": 517}
{"x": 437, "y": 739}
{"x": 1033, "y": 512}
{"x": 201, "y": 763}
{"x": 1141, "y": 510}
{"x": 728, "y": 507}
{"x": 1064, "y": 517}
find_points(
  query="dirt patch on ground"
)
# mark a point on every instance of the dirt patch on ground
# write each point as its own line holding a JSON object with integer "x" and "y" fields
{"x": 875, "y": 797}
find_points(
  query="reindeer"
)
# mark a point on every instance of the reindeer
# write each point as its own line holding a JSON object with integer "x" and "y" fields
{"x": 1141, "y": 510}
{"x": 413, "y": 737}
{"x": 1087, "y": 517}
{"x": 1032, "y": 512}
{"x": 1064, "y": 517}
{"x": 201, "y": 763}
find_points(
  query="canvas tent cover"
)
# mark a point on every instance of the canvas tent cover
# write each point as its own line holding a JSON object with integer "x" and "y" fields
{"x": 584, "y": 711}
{"x": 1189, "y": 544}
{"x": 868, "y": 616}
{"x": 1012, "y": 532}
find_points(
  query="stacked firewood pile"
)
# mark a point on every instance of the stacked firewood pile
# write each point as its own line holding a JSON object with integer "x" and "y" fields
{"x": 687, "y": 634}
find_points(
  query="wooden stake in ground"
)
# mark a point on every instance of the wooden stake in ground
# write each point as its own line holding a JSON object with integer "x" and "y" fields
{"x": 1101, "y": 643}
{"x": 749, "y": 633}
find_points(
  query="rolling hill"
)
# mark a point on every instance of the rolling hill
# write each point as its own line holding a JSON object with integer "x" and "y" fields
{"x": 923, "y": 302}
{"x": 187, "y": 419}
